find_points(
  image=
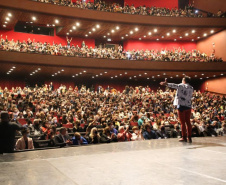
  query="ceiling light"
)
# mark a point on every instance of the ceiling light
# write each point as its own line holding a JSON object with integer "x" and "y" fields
{"x": 59, "y": 72}
{"x": 125, "y": 73}
{"x": 38, "y": 28}
{"x": 139, "y": 74}
{"x": 55, "y": 73}
{"x": 204, "y": 35}
{"x": 108, "y": 33}
{"x": 13, "y": 67}
{"x": 177, "y": 75}
{"x": 171, "y": 77}
{"x": 36, "y": 71}
{"x": 195, "y": 75}
{"x": 200, "y": 78}
{"x": 153, "y": 76}
{"x": 116, "y": 76}
{"x": 101, "y": 74}
{"x": 162, "y": 36}
{"x": 76, "y": 74}
{"x": 90, "y": 32}
{"x": 222, "y": 74}
{"x": 31, "y": 22}
{"x": 105, "y": 72}
{"x": 147, "y": 78}
{"x": 34, "y": 18}
{"x": 202, "y": 74}
{"x": 97, "y": 26}
{"x": 149, "y": 33}
{"x": 67, "y": 33}
{"x": 94, "y": 29}
{"x": 109, "y": 40}
{"x": 96, "y": 75}
{"x": 6, "y": 22}
{"x": 139, "y": 38}
{"x": 198, "y": 37}
{"x": 158, "y": 75}
{"x": 112, "y": 31}
{"x": 207, "y": 77}
{"x": 174, "y": 31}
{"x": 126, "y": 35}
{"x": 30, "y": 74}
{"x": 144, "y": 36}
{"x": 196, "y": 11}
{"x": 193, "y": 31}
{"x": 135, "y": 76}
{"x": 9, "y": 14}
{"x": 122, "y": 37}
{"x": 53, "y": 25}
{"x": 131, "y": 32}
{"x": 56, "y": 21}
{"x": 112, "y": 77}
{"x": 104, "y": 36}
{"x": 181, "y": 37}
{"x": 93, "y": 77}
{"x": 70, "y": 30}
{"x": 117, "y": 27}
{"x": 7, "y": 19}
{"x": 157, "y": 39}
{"x": 130, "y": 77}
{"x": 212, "y": 31}
{"x": 77, "y": 24}
{"x": 192, "y": 40}
{"x": 145, "y": 73}
{"x": 73, "y": 76}
{"x": 47, "y": 25}
{"x": 74, "y": 27}
{"x": 136, "y": 29}
{"x": 80, "y": 73}
{"x": 4, "y": 25}
{"x": 84, "y": 71}
{"x": 62, "y": 69}
{"x": 52, "y": 75}
{"x": 214, "y": 75}
{"x": 86, "y": 35}
{"x": 186, "y": 34}
{"x": 155, "y": 30}
{"x": 175, "y": 39}
{"x": 120, "y": 74}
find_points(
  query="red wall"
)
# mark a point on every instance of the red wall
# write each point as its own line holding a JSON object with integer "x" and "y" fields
{"x": 130, "y": 45}
{"x": 44, "y": 38}
{"x": 215, "y": 85}
{"x": 220, "y": 45}
{"x": 158, "y": 3}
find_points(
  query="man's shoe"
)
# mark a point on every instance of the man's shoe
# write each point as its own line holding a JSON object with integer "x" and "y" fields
{"x": 183, "y": 139}
{"x": 189, "y": 140}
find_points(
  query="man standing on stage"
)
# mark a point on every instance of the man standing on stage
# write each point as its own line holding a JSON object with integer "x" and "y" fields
{"x": 183, "y": 102}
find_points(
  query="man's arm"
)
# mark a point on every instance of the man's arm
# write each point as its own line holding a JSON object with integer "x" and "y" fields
{"x": 171, "y": 85}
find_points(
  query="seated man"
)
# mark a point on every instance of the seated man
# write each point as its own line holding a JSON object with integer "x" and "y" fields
{"x": 24, "y": 142}
{"x": 124, "y": 135}
{"x": 148, "y": 133}
{"x": 62, "y": 139}
{"x": 77, "y": 139}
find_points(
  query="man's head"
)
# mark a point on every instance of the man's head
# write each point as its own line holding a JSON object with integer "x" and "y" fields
{"x": 4, "y": 116}
{"x": 186, "y": 80}
{"x": 63, "y": 131}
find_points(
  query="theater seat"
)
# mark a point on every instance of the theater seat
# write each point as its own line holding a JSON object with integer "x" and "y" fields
{"x": 22, "y": 121}
{"x": 133, "y": 124}
{"x": 67, "y": 125}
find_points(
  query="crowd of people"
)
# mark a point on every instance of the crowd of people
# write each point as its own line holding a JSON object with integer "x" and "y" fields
{"x": 57, "y": 49}
{"x": 80, "y": 115}
{"x": 189, "y": 10}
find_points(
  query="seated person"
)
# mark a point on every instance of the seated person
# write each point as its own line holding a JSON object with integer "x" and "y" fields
{"x": 24, "y": 142}
{"x": 209, "y": 131}
{"x": 94, "y": 136}
{"x": 124, "y": 135}
{"x": 107, "y": 136}
{"x": 162, "y": 132}
{"x": 176, "y": 133}
{"x": 136, "y": 135}
{"x": 77, "y": 139}
{"x": 62, "y": 139}
{"x": 148, "y": 133}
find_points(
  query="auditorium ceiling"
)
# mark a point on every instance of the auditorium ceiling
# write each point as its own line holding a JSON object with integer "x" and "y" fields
{"x": 66, "y": 26}
{"x": 51, "y": 72}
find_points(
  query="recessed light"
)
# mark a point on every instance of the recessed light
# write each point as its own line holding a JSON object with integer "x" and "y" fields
{"x": 13, "y": 67}
{"x": 86, "y": 35}
{"x": 195, "y": 75}
{"x": 101, "y": 74}
{"x": 155, "y": 30}
{"x": 56, "y": 21}
{"x": 52, "y": 75}
{"x": 212, "y": 31}
{"x": 47, "y": 25}
{"x": 131, "y": 32}
{"x": 80, "y": 73}
{"x": 205, "y": 34}
{"x": 55, "y": 73}
{"x": 36, "y": 71}
{"x": 74, "y": 27}
{"x": 135, "y": 76}
{"x": 9, "y": 14}
{"x": 147, "y": 78}
{"x": 96, "y": 75}
{"x": 6, "y": 22}
{"x": 149, "y": 33}
{"x": 109, "y": 40}
{"x": 162, "y": 37}
{"x": 140, "y": 75}
{"x": 77, "y": 24}
{"x": 117, "y": 27}
{"x": 186, "y": 34}
{"x": 175, "y": 39}
{"x": 38, "y": 28}
{"x": 139, "y": 38}
{"x": 174, "y": 31}
{"x": 222, "y": 74}
{"x": 171, "y": 77}
{"x": 76, "y": 74}
{"x": 130, "y": 77}
{"x": 112, "y": 77}
{"x": 145, "y": 73}
{"x": 120, "y": 74}
{"x": 104, "y": 36}
{"x": 177, "y": 75}
{"x": 93, "y": 77}
{"x": 108, "y": 33}
{"x": 214, "y": 75}
{"x": 200, "y": 78}
{"x": 94, "y": 29}
{"x": 136, "y": 29}
{"x": 157, "y": 39}
{"x": 164, "y": 73}
{"x": 198, "y": 37}
{"x": 125, "y": 73}
{"x": 153, "y": 76}
{"x": 30, "y": 74}
{"x": 90, "y": 32}
{"x": 116, "y": 76}
{"x": 112, "y": 31}
{"x": 67, "y": 33}
{"x": 31, "y": 22}
{"x": 59, "y": 72}
{"x": 158, "y": 75}
{"x": 126, "y": 35}
{"x": 62, "y": 69}
{"x": 202, "y": 74}
{"x": 181, "y": 37}
{"x": 73, "y": 76}
{"x": 97, "y": 26}
{"x": 34, "y": 18}
{"x": 207, "y": 77}
{"x": 192, "y": 40}
{"x": 84, "y": 71}
{"x": 53, "y": 25}
{"x": 105, "y": 72}
{"x": 144, "y": 36}
{"x": 70, "y": 30}
{"x": 193, "y": 31}
{"x": 4, "y": 25}
{"x": 8, "y": 19}
{"x": 122, "y": 37}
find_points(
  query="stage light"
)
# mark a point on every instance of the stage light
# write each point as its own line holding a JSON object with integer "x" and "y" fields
{"x": 193, "y": 31}
{"x": 139, "y": 38}
{"x": 175, "y": 39}
{"x": 168, "y": 34}
{"x": 136, "y": 29}
{"x": 112, "y": 31}
{"x": 97, "y": 26}
{"x": 198, "y": 37}
{"x": 157, "y": 39}
{"x": 174, "y": 31}
{"x": 186, "y": 34}
{"x": 117, "y": 28}
{"x": 94, "y": 29}
{"x": 70, "y": 30}
{"x": 77, "y": 24}
{"x": 9, "y": 14}
{"x": 122, "y": 37}
{"x": 4, "y": 25}
{"x": 149, "y": 33}
{"x": 131, "y": 32}
{"x": 204, "y": 34}
{"x": 212, "y": 31}
{"x": 34, "y": 18}
{"x": 56, "y": 21}
{"x": 144, "y": 36}
{"x": 8, "y": 19}
{"x": 155, "y": 30}
{"x": 74, "y": 27}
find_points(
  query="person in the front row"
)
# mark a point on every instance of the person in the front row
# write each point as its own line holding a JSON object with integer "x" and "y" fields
{"x": 24, "y": 142}
{"x": 62, "y": 139}
{"x": 77, "y": 139}
{"x": 183, "y": 101}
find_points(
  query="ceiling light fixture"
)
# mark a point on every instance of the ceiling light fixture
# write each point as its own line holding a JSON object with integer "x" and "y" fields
{"x": 56, "y": 21}
{"x": 155, "y": 30}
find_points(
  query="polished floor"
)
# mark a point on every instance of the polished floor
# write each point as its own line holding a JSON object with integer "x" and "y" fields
{"x": 159, "y": 162}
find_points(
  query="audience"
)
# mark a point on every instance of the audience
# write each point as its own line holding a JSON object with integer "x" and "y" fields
{"x": 99, "y": 5}
{"x": 176, "y": 54}
{"x": 24, "y": 142}
{"x": 100, "y": 117}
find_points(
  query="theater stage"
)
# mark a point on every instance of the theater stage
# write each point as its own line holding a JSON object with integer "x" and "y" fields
{"x": 139, "y": 163}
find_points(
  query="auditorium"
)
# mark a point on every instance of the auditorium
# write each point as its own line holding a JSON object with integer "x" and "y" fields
{"x": 112, "y": 92}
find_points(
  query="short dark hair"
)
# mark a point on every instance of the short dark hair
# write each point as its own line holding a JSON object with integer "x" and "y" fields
{"x": 187, "y": 79}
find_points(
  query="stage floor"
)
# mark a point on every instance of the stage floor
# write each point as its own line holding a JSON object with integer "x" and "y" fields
{"x": 160, "y": 162}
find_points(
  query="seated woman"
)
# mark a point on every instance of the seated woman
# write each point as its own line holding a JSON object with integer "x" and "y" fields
{"x": 148, "y": 133}
{"x": 94, "y": 136}
{"x": 24, "y": 142}
{"x": 107, "y": 136}
{"x": 136, "y": 135}
{"x": 77, "y": 139}
{"x": 124, "y": 135}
